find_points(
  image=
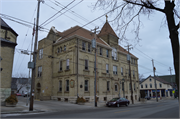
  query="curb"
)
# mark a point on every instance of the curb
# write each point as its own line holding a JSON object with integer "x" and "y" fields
{"x": 17, "y": 112}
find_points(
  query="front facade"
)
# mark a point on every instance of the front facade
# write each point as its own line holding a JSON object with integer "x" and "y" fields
{"x": 65, "y": 66}
{"x": 164, "y": 88}
{"x": 8, "y": 42}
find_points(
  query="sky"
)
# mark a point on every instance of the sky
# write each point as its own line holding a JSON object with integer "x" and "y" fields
{"x": 155, "y": 43}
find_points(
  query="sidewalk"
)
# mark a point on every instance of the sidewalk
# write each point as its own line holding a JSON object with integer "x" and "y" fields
{"x": 54, "y": 106}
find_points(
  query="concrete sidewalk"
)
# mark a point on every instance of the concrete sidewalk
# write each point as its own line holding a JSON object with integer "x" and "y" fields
{"x": 54, "y": 106}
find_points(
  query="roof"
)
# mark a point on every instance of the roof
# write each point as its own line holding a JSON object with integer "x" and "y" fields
{"x": 5, "y": 25}
{"x": 107, "y": 29}
{"x": 168, "y": 78}
{"x": 77, "y": 30}
{"x": 157, "y": 78}
{"x": 125, "y": 51}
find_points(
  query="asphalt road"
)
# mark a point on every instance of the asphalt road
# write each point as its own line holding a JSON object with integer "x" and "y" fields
{"x": 167, "y": 109}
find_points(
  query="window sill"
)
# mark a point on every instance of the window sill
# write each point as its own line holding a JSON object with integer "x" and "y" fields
{"x": 86, "y": 70}
{"x": 67, "y": 70}
{"x": 106, "y": 92}
{"x": 60, "y": 71}
{"x": 86, "y": 92}
{"x": 94, "y": 72}
{"x": 66, "y": 91}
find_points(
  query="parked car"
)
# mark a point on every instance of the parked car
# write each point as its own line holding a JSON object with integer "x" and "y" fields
{"x": 147, "y": 97}
{"x": 25, "y": 94}
{"x": 18, "y": 94}
{"x": 117, "y": 102}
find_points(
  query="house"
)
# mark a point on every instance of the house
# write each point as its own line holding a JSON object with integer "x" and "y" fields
{"x": 20, "y": 85}
{"x": 8, "y": 39}
{"x": 65, "y": 66}
{"x": 164, "y": 88}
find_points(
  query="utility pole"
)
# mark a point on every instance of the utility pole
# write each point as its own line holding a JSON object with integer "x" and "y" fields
{"x": 34, "y": 60}
{"x": 155, "y": 79}
{"x": 130, "y": 72}
{"x": 95, "y": 82}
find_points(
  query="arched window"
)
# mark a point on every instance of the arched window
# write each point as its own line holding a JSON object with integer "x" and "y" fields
{"x": 58, "y": 50}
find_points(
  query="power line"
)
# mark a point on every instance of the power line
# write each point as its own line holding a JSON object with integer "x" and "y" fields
{"x": 56, "y": 13}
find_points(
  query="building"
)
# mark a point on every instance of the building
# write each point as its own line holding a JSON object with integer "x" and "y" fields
{"x": 164, "y": 88}
{"x": 65, "y": 66}
{"x": 8, "y": 42}
{"x": 20, "y": 85}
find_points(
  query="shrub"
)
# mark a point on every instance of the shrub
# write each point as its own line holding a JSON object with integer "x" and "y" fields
{"x": 11, "y": 99}
{"x": 80, "y": 100}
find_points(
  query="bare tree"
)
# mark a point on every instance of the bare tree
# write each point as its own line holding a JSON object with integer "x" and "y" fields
{"x": 141, "y": 76}
{"x": 128, "y": 13}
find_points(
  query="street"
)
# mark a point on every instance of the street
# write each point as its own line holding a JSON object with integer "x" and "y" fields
{"x": 164, "y": 109}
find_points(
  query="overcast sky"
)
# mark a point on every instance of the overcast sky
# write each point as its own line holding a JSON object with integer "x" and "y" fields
{"x": 155, "y": 43}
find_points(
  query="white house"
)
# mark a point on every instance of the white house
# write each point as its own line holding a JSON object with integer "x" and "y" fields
{"x": 164, "y": 88}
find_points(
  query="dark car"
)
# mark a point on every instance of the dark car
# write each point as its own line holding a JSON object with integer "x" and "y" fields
{"x": 147, "y": 97}
{"x": 117, "y": 102}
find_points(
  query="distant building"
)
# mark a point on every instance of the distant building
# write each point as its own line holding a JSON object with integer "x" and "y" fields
{"x": 20, "y": 85}
{"x": 8, "y": 39}
{"x": 65, "y": 66}
{"x": 164, "y": 88}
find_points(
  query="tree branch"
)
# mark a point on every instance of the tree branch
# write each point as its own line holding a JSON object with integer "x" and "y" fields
{"x": 146, "y": 5}
{"x": 177, "y": 26}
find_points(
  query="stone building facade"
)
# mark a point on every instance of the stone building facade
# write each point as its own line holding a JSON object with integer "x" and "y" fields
{"x": 65, "y": 66}
{"x": 8, "y": 42}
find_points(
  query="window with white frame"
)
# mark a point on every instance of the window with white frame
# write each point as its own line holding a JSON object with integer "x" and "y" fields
{"x": 108, "y": 85}
{"x": 107, "y": 53}
{"x": 89, "y": 47}
{"x": 146, "y": 85}
{"x": 86, "y": 64}
{"x": 121, "y": 70}
{"x": 67, "y": 64}
{"x": 114, "y": 69}
{"x": 114, "y": 53}
{"x": 67, "y": 85}
{"x": 39, "y": 71}
{"x": 150, "y": 85}
{"x": 100, "y": 51}
{"x": 116, "y": 87}
{"x": 60, "y": 85}
{"x": 40, "y": 53}
{"x": 83, "y": 45}
{"x": 60, "y": 65}
{"x": 107, "y": 68}
{"x": 86, "y": 85}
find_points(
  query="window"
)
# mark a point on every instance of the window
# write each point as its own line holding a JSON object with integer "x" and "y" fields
{"x": 67, "y": 85}
{"x": 60, "y": 85}
{"x": 89, "y": 47}
{"x": 107, "y": 53}
{"x": 116, "y": 88}
{"x": 134, "y": 86}
{"x": 39, "y": 71}
{"x": 133, "y": 73}
{"x": 67, "y": 64}
{"x": 146, "y": 85}
{"x": 107, "y": 68}
{"x": 100, "y": 51}
{"x": 150, "y": 85}
{"x": 60, "y": 65}
{"x": 64, "y": 48}
{"x": 121, "y": 70}
{"x": 141, "y": 85}
{"x": 58, "y": 50}
{"x": 114, "y": 53}
{"x": 122, "y": 86}
{"x": 108, "y": 82}
{"x": 86, "y": 85}
{"x": 83, "y": 46}
{"x": 86, "y": 64}
{"x": 150, "y": 79}
{"x": 114, "y": 69}
{"x": 129, "y": 86}
{"x": 40, "y": 53}
{"x": 160, "y": 85}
